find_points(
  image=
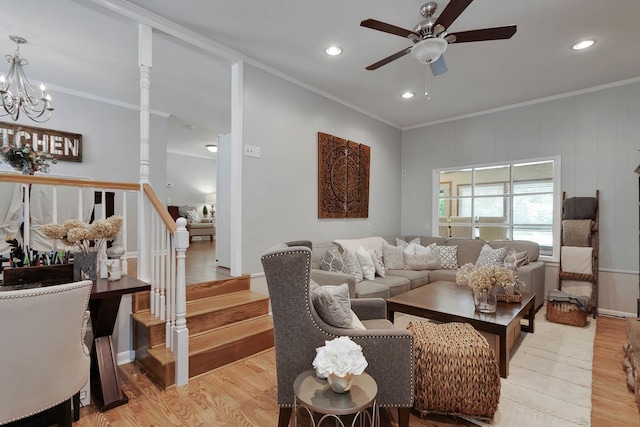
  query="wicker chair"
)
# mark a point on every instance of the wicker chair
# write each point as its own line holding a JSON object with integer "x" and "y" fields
{"x": 43, "y": 362}
{"x": 299, "y": 331}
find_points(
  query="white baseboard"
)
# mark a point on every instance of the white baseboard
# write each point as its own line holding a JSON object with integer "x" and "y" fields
{"x": 615, "y": 313}
{"x": 125, "y": 357}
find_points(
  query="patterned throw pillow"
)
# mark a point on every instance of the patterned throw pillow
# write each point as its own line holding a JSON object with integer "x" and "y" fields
{"x": 517, "y": 259}
{"x": 193, "y": 216}
{"x": 352, "y": 265}
{"x": 489, "y": 257}
{"x": 393, "y": 257}
{"x": 448, "y": 256}
{"x": 377, "y": 261}
{"x": 402, "y": 244}
{"x": 332, "y": 261}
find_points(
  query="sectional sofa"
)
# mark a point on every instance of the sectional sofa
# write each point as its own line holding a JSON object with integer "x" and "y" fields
{"x": 397, "y": 281}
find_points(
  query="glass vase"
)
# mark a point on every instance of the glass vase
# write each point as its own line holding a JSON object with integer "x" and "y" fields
{"x": 340, "y": 384}
{"x": 485, "y": 301}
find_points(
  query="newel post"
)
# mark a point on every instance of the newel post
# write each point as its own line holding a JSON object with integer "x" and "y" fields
{"x": 181, "y": 333}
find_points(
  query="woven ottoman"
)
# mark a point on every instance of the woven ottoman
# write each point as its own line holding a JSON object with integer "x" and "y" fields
{"x": 456, "y": 372}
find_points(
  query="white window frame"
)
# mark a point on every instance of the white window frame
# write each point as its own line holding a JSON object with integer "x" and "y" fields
{"x": 557, "y": 197}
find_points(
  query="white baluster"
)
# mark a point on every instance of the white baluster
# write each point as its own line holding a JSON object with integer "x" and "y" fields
{"x": 123, "y": 259}
{"x": 154, "y": 291}
{"x": 162, "y": 245}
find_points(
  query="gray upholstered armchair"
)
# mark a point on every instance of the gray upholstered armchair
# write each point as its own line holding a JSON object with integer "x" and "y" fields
{"x": 299, "y": 331}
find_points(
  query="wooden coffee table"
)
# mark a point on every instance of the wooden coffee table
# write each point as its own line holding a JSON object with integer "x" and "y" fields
{"x": 449, "y": 302}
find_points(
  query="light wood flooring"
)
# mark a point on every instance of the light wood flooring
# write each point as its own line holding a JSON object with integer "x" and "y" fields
{"x": 244, "y": 393}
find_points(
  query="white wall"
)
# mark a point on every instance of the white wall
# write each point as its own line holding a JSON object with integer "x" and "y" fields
{"x": 191, "y": 179}
{"x": 280, "y": 190}
{"x": 596, "y": 135}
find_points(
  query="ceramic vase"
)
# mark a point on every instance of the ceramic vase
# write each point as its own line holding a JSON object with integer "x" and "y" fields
{"x": 485, "y": 301}
{"x": 85, "y": 266}
{"x": 340, "y": 384}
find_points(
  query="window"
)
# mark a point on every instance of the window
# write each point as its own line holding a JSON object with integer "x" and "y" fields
{"x": 514, "y": 201}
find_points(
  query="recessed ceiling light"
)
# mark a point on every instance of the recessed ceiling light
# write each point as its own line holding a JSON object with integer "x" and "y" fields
{"x": 211, "y": 147}
{"x": 408, "y": 95}
{"x": 333, "y": 51}
{"x": 583, "y": 44}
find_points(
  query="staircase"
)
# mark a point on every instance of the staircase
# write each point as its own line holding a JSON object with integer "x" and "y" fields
{"x": 226, "y": 322}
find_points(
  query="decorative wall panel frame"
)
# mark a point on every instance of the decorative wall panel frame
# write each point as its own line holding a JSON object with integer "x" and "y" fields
{"x": 343, "y": 178}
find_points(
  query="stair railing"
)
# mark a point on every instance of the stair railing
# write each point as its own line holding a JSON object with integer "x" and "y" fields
{"x": 162, "y": 244}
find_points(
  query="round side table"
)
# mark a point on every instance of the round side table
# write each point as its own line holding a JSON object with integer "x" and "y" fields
{"x": 315, "y": 395}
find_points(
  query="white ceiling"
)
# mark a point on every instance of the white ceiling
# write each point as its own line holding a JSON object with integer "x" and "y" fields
{"x": 79, "y": 45}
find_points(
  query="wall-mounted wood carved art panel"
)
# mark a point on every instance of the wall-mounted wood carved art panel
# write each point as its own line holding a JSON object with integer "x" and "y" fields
{"x": 343, "y": 178}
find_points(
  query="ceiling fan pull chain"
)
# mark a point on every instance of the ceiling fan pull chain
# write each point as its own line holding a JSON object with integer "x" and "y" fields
{"x": 426, "y": 83}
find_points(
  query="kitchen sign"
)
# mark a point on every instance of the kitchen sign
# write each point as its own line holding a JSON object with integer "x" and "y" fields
{"x": 64, "y": 146}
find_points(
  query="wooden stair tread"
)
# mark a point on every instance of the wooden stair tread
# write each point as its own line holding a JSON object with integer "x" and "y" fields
{"x": 163, "y": 355}
{"x": 220, "y": 302}
{"x": 229, "y": 333}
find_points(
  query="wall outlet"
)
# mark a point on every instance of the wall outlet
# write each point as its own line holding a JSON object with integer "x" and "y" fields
{"x": 257, "y": 152}
{"x": 368, "y": 226}
{"x": 404, "y": 172}
{"x": 426, "y": 226}
{"x": 249, "y": 150}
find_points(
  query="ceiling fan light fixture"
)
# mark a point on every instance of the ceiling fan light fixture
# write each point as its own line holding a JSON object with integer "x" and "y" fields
{"x": 583, "y": 44}
{"x": 333, "y": 50}
{"x": 429, "y": 50}
{"x": 408, "y": 95}
{"x": 212, "y": 147}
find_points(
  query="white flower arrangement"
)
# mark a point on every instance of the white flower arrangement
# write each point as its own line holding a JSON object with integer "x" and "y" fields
{"x": 340, "y": 357}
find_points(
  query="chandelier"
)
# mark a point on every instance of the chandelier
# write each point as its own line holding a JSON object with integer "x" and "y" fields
{"x": 17, "y": 93}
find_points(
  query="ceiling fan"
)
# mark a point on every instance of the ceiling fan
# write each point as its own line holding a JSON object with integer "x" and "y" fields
{"x": 430, "y": 36}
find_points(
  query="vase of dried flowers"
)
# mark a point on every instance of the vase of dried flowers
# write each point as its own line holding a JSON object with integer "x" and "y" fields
{"x": 483, "y": 281}
{"x": 88, "y": 238}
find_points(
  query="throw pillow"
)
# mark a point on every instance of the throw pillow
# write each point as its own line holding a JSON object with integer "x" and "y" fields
{"x": 490, "y": 257}
{"x": 448, "y": 256}
{"x": 352, "y": 265}
{"x": 332, "y": 304}
{"x": 355, "y": 322}
{"x": 377, "y": 261}
{"x": 393, "y": 257}
{"x": 517, "y": 259}
{"x": 403, "y": 244}
{"x": 193, "y": 216}
{"x": 182, "y": 211}
{"x": 366, "y": 263}
{"x": 417, "y": 257}
{"x": 332, "y": 261}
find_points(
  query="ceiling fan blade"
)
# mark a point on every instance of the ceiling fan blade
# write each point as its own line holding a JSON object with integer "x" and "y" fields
{"x": 452, "y": 11}
{"x": 497, "y": 33}
{"x": 438, "y": 66}
{"x": 388, "y": 59}
{"x": 387, "y": 28}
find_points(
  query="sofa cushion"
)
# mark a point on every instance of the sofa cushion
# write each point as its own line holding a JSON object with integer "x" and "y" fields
{"x": 393, "y": 257}
{"x": 490, "y": 257}
{"x": 372, "y": 289}
{"x": 193, "y": 216}
{"x": 416, "y": 278}
{"x": 468, "y": 249}
{"x": 427, "y": 240}
{"x": 418, "y": 257}
{"x": 368, "y": 243}
{"x": 448, "y": 275}
{"x": 397, "y": 285}
{"x": 532, "y": 248}
{"x": 332, "y": 261}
